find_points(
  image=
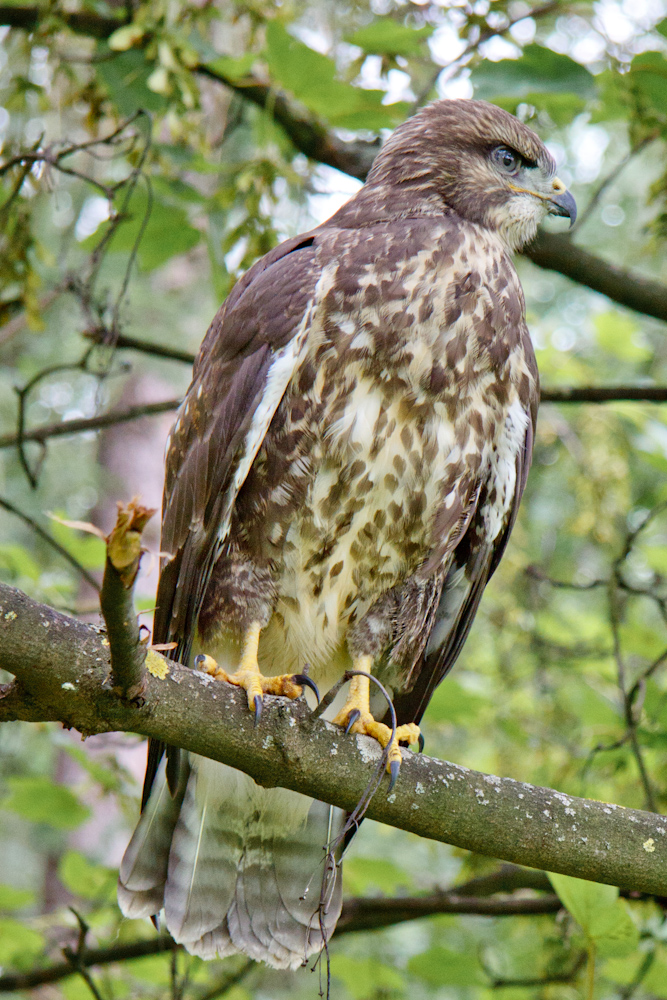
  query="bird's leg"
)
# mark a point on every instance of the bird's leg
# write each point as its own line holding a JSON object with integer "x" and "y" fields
{"x": 356, "y": 717}
{"x": 248, "y": 675}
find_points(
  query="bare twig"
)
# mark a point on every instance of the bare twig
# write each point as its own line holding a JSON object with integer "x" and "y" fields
{"x": 50, "y": 540}
{"x": 86, "y": 424}
{"x": 474, "y": 897}
{"x": 610, "y": 178}
{"x": 605, "y": 394}
{"x": 128, "y": 653}
{"x": 311, "y": 137}
{"x": 228, "y": 981}
{"x": 76, "y": 958}
{"x": 98, "y": 336}
{"x": 32, "y": 472}
{"x": 473, "y": 45}
{"x": 628, "y": 706}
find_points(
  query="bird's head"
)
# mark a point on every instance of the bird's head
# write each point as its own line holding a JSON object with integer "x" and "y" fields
{"x": 481, "y": 161}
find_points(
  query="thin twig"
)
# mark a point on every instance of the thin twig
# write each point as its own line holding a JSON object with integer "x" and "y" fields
{"x": 133, "y": 344}
{"x": 85, "y": 424}
{"x": 610, "y": 178}
{"x": 228, "y": 981}
{"x": 50, "y": 540}
{"x": 626, "y": 703}
{"x": 472, "y": 46}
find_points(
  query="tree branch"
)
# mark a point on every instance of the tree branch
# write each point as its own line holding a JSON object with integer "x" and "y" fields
{"x": 98, "y": 336}
{"x": 62, "y": 670}
{"x": 128, "y": 653}
{"x": 557, "y": 252}
{"x": 553, "y": 251}
{"x": 82, "y": 22}
{"x": 84, "y": 424}
{"x": 566, "y": 394}
{"x": 358, "y": 915}
{"x": 605, "y": 394}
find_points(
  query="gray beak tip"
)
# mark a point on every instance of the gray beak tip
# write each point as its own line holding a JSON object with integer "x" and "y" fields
{"x": 564, "y": 205}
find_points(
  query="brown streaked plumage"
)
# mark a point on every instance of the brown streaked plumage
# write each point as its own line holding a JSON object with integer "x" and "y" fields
{"x": 341, "y": 483}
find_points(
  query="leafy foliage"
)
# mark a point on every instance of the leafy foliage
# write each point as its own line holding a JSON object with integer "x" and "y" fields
{"x": 141, "y": 235}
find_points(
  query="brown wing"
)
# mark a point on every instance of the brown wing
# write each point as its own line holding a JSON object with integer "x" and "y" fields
{"x": 248, "y": 353}
{"x": 474, "y": 561}
{"x": 242, "y": 369}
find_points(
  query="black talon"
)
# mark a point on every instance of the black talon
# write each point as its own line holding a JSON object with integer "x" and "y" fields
{"x": 351, "y": 719}
{"x": 394, "y": 768}
{"x": 420, "y": 743}
{"x": 259, "y": 703}
{"x": 304, "y": 681}
{"x": 155, "y": 920}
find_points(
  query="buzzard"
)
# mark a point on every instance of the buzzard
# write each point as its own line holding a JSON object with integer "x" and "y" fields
{"x": 341, "y": 482}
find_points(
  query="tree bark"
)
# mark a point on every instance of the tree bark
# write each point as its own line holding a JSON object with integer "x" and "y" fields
{"x": 62, "y": 672}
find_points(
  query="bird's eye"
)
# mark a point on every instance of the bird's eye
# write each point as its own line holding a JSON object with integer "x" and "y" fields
{"x": 505, "y": 158}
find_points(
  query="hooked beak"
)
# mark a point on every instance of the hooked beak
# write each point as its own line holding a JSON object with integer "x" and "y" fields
{"x": 561, "y": 202}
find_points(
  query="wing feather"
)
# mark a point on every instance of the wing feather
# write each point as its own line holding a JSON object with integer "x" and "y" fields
{"x": 248, "y": 356}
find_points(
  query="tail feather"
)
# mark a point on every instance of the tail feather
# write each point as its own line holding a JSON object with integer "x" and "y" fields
{"x": 143, "y": 870}
{"x": 254, "y": 914}
{"x": 237, "y": 867}
{"x": 205, "y": 850}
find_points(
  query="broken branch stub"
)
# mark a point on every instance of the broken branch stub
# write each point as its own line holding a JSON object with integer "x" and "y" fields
{"x": 124, "y": 551}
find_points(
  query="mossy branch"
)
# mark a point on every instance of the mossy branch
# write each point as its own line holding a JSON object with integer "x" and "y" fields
{"x": 62, "y": 670}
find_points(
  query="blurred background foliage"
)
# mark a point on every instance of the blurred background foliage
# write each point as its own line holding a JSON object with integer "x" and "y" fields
{"x": 150, "y": 152}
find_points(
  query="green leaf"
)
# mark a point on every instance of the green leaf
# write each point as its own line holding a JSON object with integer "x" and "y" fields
{"x": 452, "y": 703}
{"x": 655, "y": 982}
{"x": 617, "y": 334}
{"x": 19, "y": 945}
{"x": 233, "y": 69}
{"x": 84, "y": 878}
{"x": 163, "y": 233}
{"x": 538, "y": 71}
{"x": 88, "y": 549}
{"x": 15, "y": 899}
{"x": 365, "y": 979}
{"x": 441, "y": 967}
{"x": 364, "y": 874}
{"x": 311, "y": 77}
{"x": 661, "y": 27}
{"x": 124, "y": 38}
{"x": 19, "y": 562}
{"x": 42, "y": 801}
{"x": 602, "y": 916}
{"x": 125, "y": 78}
{"x": 648, "y": 78}
{"x": 385, "y": 36}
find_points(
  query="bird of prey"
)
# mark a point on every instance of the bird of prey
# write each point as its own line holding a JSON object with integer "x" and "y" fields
{"x": 341, "y": 482}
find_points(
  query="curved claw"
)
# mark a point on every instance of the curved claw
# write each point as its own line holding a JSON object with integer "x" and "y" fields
{"x": 198, "y": 660}
{"x": 155, "y": 920}
{"x": 259, "y": 704}
{"x": 304, "y": 681}
{"x": 351, "y": 719}
{"x": 420, "y": 743}
{"x": 394, "y": 768}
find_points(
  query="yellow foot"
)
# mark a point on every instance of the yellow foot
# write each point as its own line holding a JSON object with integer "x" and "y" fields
{"x": 356, "y": 717}
{"x": 251, "y": 680}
